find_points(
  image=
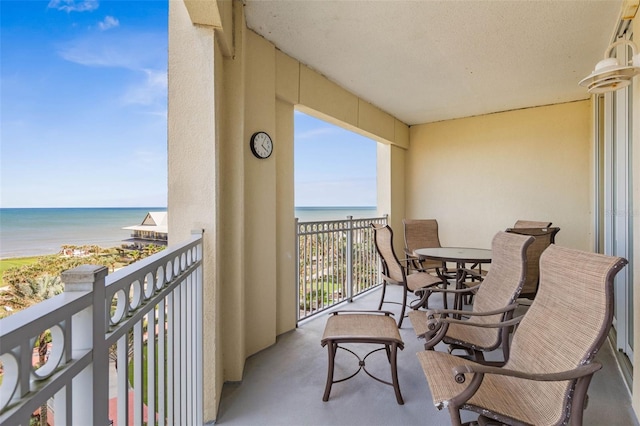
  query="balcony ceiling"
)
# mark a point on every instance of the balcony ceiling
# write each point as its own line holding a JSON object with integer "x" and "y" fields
{"x": 426, "y": 61}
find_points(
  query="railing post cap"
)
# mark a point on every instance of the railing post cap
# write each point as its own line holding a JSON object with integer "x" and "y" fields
{"x": 81, "y": 278}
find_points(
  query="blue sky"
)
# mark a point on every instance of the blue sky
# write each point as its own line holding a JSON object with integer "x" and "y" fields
{"x": 333, "y": 166}
{"x": 83, "y": 106}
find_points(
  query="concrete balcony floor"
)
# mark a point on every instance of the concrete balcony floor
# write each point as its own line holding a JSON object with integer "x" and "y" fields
{"x": 283, "y": 384}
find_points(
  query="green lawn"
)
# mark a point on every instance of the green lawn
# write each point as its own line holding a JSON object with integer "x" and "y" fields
{"x": 13, "y": 262}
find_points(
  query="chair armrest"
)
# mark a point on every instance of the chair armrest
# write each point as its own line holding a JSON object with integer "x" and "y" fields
{"x": 479, "y": 370}
{"x": 576, "y": 373}
{"x": 456, "y": 290}
{"x": 436, "y": 325}
{"x": 507, "y": 308}
{"x": 509, "y": 323}
{"x": 473, "y": 273}
{"x": 389, "y": 279}
{"x": 387, "y": 313}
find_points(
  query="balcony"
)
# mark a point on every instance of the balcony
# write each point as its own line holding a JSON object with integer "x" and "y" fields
{"x": 161, "y": 378}
{"x": 283, "y": 384}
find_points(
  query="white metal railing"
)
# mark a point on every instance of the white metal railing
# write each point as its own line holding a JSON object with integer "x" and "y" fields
{"x": 336, "y": 260}
{"x": 148, "y": 315}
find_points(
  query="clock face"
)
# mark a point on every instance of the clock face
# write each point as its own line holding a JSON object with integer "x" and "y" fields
{"x": 261, "y": 145}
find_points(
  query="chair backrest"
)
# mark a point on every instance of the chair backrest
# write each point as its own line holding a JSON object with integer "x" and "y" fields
{"x": 531, "y": 224}
{"x": 569, "y": 319}
{"x": 544, "y": 237}
{"x": 503, "y": 282}
{"x": 420, "y": 233}
{"x": 383, "y": 237}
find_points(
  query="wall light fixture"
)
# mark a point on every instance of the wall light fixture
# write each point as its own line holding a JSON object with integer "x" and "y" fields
{"x": 610, "y": 74}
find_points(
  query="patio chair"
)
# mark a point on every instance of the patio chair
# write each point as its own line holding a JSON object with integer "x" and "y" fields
{"x": 476, "y": 272}
{"x": 546, "y": 378}
{"x": 544, "y": 237}
{"x": 488, "y": 323}
{"x": 531, "y": 224}
{"x": 393, "y": 272}
{"x": 421, "y": 233}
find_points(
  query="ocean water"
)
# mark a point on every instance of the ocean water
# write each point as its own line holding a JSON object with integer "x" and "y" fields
{"x": 39, "y": 231}
{"x": 309, "y": 214}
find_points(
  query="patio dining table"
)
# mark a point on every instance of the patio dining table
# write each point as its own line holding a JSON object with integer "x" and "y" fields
{"x": 461, "y": 256}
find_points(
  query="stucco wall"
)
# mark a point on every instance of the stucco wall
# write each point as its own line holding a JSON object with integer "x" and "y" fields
{"x": 478, "y": 175}
{"x": 259, "y": 197}
{"x": 192, "y": 136}
{"x": 285, "y": 250}
{"x": 226, "y": 83}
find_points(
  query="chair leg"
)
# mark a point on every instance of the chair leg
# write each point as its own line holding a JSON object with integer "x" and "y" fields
{"x": 404, "y": 307}
{"x": 394, "y": 372}
{"x": 331, "y": 349}
{"x": 384, "y": 290}
{"x": 454, "y": 413}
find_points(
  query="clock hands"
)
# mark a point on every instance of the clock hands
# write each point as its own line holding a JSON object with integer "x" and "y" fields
{"x": 261, "y": 145}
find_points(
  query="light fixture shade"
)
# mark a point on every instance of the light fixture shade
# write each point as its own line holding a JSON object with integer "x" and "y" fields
{"x": 610, "y": 74}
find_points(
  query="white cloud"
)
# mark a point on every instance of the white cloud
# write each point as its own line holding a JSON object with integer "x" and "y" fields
{"x": 121, "y": 49}
{"x": 145, "y": 54}
{"x": 108, "y": 23}
{"x": 72, "y": 6}
{"x": 152, "y": 89}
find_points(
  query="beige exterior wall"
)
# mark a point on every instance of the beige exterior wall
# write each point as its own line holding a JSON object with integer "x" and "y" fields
{"x": 390, "y": 173}
{"x": 225, "y": 83}
{"x": 193, "y": 136}
{"x": 259, "y": 197}
{"x": 478, "y": 175}
{"x": 285, "y": 251}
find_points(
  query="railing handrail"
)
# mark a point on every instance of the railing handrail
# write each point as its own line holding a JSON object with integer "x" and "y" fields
{"x": 40, "y": 316}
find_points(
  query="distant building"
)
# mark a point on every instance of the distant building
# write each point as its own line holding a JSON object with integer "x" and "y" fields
{"x": 152, "y": 230}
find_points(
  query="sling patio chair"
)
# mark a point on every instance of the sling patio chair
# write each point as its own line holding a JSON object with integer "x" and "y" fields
{"x": 546, "y": 378}
{"x": 393, "y": 272}
{"x": 544, "y": 237}
{"x": 477, "y": 274}
{"x": 488, "y": 323}
{"x": 421, "y": 233}
{"x": 531, "y": 224}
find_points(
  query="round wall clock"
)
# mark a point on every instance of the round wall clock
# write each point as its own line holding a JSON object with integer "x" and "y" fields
{"x": 261, "y": 145}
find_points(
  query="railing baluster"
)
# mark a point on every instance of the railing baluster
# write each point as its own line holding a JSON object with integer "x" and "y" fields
{"x": 349, "y": 256}
{"x": 184, "y": 365}
{"x": 137, "y": 373}
{"x": 336, "y": 261}
{"x": 123, "y": 379}
{"x": 151, "y": 367}
{"x": 161, "y": 378}
{"x": 199, "y": 365}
